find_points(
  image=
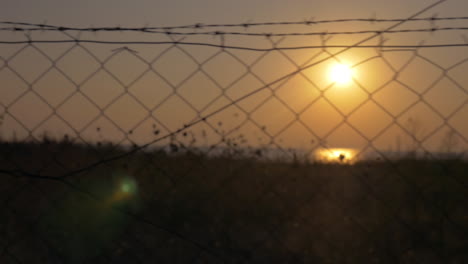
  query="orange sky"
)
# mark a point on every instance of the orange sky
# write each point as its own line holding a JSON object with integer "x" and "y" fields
{"x": 116, "y": 98}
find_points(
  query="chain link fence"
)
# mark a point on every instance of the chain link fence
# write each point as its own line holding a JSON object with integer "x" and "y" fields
{"x": 188, "y": 145}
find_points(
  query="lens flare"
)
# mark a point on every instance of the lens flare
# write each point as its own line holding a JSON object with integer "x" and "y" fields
{"x": 128, "y": 186}
{"x": 124, "y": 190}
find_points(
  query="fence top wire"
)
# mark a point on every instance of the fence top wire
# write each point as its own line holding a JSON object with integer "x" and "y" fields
{"x": 223, "y": 46}
{"x": 237, "y": 33}
{"x": 200, "y": 29}
{"x": 203, "y": 30}
{"x": 307, "y": 22}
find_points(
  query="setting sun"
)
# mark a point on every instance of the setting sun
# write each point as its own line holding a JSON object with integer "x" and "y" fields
{"x": 340, "y": 155}
{"x": 341, "y": 74}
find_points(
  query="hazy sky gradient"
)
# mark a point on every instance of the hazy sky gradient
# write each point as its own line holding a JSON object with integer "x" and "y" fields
{"x": 175, "y": 66}
{"x": 174, "y": 12}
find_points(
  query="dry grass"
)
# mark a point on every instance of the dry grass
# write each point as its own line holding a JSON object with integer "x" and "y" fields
{"x": 193, "y": 208}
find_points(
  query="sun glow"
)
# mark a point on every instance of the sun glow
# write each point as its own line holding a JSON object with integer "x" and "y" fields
{"x": 341, "y": 73}
{"x": 336, "y": 155}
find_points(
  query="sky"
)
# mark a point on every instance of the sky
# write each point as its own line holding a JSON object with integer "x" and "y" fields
{"x": 176, "y": 12}
{"x": 119, "y": 93}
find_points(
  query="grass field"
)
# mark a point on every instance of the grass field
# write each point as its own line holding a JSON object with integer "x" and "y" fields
{"x": 155, "y": 207}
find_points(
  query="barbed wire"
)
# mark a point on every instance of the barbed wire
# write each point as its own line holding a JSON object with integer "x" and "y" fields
{"x": 253, "y": 34}
{"x": 249, "y": 48}
{"x": 36, "y": 26}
